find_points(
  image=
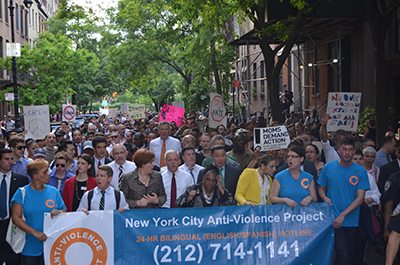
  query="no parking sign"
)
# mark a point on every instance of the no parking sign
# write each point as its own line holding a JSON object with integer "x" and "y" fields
{"x": 69, "y": 113}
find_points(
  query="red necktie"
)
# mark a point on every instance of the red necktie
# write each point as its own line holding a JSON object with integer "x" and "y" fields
{"x": 99, "y": 164}
{"x": 173, "y": 191}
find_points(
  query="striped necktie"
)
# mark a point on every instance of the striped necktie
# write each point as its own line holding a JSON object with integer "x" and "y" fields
{"x": 101, "y": 206}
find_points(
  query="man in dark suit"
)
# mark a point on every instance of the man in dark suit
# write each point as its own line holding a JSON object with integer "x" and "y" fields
{"x": 9, "y": 184}
{"x": 229, "y": 174}
{"x": 388, "y": 169}
{"x": 77, "y": 139}
{"x": 99, "y": 147}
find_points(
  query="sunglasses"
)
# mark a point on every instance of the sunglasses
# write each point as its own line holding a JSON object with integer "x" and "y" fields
{"x": 58, "y": 165}
{"x": 114, "y": 136}
{"x": 21, "y": 147}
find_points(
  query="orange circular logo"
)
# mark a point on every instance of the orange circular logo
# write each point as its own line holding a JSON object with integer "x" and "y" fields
{"x": 79, "y": 235}
{"x": 50, "y": 203}
{"x": 353, "y": 180}
{"x": 305, "y": 183}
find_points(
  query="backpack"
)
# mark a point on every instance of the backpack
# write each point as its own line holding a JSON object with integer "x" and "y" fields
{"x": 117, "y": 198}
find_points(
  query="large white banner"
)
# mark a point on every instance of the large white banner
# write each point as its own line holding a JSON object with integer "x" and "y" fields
{"x": 217, "y": 113}
{"x": 343, "y": 110}
{"x": 36, "y": 121}
{"x": 77, "y": 238}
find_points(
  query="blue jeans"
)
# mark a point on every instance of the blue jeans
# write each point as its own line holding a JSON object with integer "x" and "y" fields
{"x": 345, "y": 238}
{"x": 28, "y": 260}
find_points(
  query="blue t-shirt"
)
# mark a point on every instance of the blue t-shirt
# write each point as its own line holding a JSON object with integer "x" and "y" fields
{"x": 342, "y": 184}
{"x": 36, "y": 203}
{"x": 293, "y": 189}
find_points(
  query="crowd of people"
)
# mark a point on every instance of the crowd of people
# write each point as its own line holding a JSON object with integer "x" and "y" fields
{"x": 116, "y": 163}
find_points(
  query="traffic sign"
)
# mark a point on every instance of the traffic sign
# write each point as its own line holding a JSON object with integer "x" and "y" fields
{"x": 236, "y": 83}
{"x": 69, "y": 112}
{"x": 9, "y": 96}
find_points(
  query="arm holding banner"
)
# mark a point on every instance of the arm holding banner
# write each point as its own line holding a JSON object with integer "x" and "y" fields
{"x": 322, "y": 129}
{"x": 274, "y": 197}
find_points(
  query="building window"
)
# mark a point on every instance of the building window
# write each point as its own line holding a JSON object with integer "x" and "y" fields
{"x": 262, "y": 75}
{"x": 26, "y": 23}
{"x": 255, "y": 75}
{"x": 1, "y": 56}
{"x": 6, "y": 11}
{"x": 1, "y": 9}
{"x": 16, "y": 17}
{"x": 22, "y": 20}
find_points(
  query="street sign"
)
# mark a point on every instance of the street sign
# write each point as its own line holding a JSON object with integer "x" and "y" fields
{"x": 236, "y": 83}
{"x": 13, "y": 49}
{"x": 69, "y": 112}
{"x": 9, "y": 96}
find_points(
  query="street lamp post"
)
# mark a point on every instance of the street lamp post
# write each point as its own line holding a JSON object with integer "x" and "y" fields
{"x": 28, "y": 4}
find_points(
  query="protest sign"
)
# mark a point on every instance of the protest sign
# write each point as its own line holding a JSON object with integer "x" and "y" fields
{"x": 271, "y": 138}
{"x": 171, "y": 113}
{"x": 124, "y": 107}
{"x": 112, "y": 113}
{"x": 136, "y": 111}
{"x": 36, "y": 121}
{"x": 180, "y": 104}
{"x": 268, "y": 234}
{"x": 103, "y": 111}
{"x": 217, "y": 114}
{"x": 68, "y": 112}
{"x": 343, "y": 109}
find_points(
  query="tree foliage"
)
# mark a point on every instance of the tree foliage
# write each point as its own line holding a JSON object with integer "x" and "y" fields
{"x": 167, "y": 46}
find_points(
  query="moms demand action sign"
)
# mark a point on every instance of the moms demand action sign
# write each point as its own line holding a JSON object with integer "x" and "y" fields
{"x": 273, "y": 234}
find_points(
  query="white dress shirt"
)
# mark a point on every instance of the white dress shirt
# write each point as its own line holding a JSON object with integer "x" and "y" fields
{"x": 96, "y": 163}
{"x": 196, "y": 170}
{"x": 182, "y": 179}
{"x": 109, "y": 200}
{"x": 128, "y": 166}
{"x": 373, "y": 192}
{"x": 330, "y": 152}
{"x": 170, "y": 144}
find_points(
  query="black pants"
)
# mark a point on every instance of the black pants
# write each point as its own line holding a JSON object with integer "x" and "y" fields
{"x": 28, "y": 260}
{"x": 345, "y": 245}
{"x": 7, "y": 255}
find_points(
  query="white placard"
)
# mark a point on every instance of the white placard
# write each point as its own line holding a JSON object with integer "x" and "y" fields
{"x": 9, "y": 96}
{"x": 68, "y": 112}
{"x": 36, "y": 121}
{"x": 271, "y": 138}
{"x": 124, "y": 107}
{"x": 112, "y": 113}
{"x": 217, "y": 113}
{"x": 343, "y": 109}
{"x": 13, "y": 49}
{"x": 180, "y": 104}
{"x": 136, "y": 111}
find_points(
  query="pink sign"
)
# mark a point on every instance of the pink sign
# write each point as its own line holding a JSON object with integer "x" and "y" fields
{"x": 171, "y": 113}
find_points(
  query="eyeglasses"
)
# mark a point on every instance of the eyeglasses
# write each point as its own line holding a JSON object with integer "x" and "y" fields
{"x": 344, "y": 149}
{"x": 114, "y": 136}
{"x": 292, "y": 156}
{"x": 118, "y": 153}
{"x": 60, "y": 165}
{"x": 311, "y": 152}
{"x": 21, "y": 147}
